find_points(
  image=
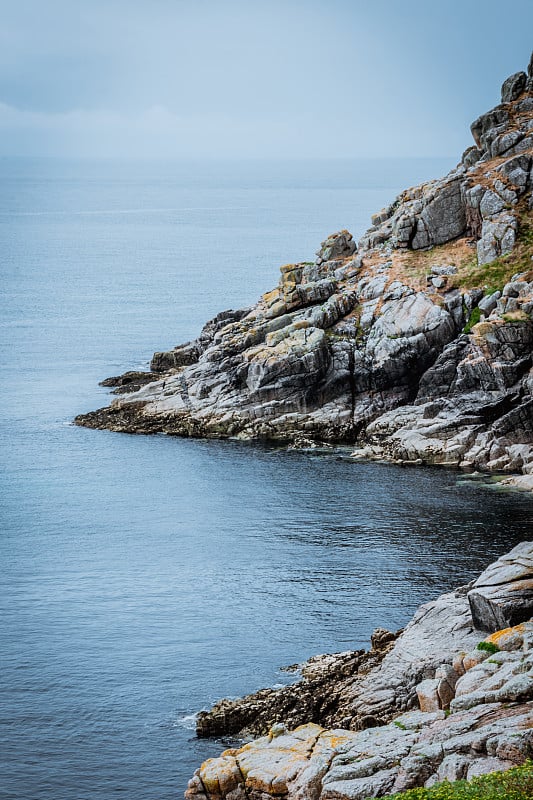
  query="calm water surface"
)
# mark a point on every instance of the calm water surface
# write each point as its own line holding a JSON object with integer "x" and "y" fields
{"x": 143, "y": 578}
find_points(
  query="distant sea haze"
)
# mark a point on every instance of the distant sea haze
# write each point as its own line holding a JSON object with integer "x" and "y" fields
{"x": 146, "y": 577}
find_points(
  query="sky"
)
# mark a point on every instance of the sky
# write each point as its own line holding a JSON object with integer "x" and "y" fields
{"x": 253, "y": 78}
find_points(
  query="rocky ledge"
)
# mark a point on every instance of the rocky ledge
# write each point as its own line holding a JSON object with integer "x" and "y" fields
{"x": 414, "y": 343}
{"x": 440, "y": 701}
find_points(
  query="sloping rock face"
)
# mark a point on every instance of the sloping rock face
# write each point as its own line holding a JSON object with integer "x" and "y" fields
{"x": 457, "y": 710}
{"x": 502, "y": 596}
{"x": 343, "y": 342}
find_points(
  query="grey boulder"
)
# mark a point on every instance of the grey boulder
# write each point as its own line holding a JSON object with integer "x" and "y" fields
{"x": 513, "y": 87}
{"x": 502, "y": 596}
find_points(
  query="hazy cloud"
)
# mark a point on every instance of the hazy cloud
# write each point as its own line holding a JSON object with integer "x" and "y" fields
{"x": 235, "y": 78}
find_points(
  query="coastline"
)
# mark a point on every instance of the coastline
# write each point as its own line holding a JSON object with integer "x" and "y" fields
{"x": 414, "y": 343}
{"x": 449, "y": 697}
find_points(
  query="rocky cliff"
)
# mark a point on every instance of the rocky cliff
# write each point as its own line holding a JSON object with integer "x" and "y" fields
{"x": 415, "y": 342}
{"x": 443, "y": 700}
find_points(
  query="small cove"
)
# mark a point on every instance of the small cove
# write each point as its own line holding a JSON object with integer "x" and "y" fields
{"x": 145, "y": 577}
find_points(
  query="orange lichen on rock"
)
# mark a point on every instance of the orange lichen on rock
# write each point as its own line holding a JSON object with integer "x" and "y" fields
{"x": 508, "y": 638}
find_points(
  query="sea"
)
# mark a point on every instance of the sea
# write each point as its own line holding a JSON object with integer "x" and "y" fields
{"x": 143, "y": 578}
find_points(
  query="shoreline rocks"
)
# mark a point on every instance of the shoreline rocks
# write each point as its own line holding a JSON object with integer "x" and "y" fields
{"x": 443, "y": 701}
{"x": 322, "y": 696}
{"x": 416, "y": 341}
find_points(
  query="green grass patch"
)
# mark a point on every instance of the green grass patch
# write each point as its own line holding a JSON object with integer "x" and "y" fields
{"x": 515, "y": 784}
{"x": 473, "y": 319}
{"x": 488, "y": 647}
{"x": 500, "y": 271}
{"x": 525, "y": 234}
{"x": 495, "y": 275}
{"x": 492, "y": 277}
{"x": 516, "y": 316}
{"x": 400, "y": 725}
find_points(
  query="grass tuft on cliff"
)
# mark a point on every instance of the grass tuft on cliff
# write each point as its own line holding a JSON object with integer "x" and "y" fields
{"x": 488, "y": 647}
{"x": 497, "y": 273}
{"x": 414, "y": 266}
{"x": 473, "y": 319}
{"x": 515, "y": 784}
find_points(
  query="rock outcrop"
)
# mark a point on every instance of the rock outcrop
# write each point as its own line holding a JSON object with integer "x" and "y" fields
{"x": 324, "y": 695}
{"x": 415, "y": 343}
{"x": 502, "y": 596}
{"x": 444, "y": 701}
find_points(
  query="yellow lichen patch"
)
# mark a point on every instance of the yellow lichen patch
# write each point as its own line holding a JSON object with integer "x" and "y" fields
{"x": 252, "y": 745}
{"x": 209, "y": 772}
{"x": 271, "y": 297}
{"x": 274, "y": 771}
{"x": 291, "y": 275}
{"x": 268, "y": 765}
{"x": 228, "y": 774}
{"x": 335, "y": 739}
{"x": 232, "y": 751}
{"x": 500, "y": 638}
{"x": 276, "y": 309}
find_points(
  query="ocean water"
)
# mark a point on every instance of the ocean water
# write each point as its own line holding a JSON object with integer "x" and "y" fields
{"x": 145, "y": 577}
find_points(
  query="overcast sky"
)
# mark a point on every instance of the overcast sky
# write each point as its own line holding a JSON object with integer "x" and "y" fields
{"x": 253, "y": 78}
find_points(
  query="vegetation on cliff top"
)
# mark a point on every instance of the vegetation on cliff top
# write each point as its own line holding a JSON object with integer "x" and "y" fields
{"x": 515, "y": 784}
{"x": 496, "y": 274}
{"x": 414, "y": 266}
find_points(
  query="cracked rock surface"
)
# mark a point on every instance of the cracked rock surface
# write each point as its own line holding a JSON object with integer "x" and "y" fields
{"x": 436, "y": 706}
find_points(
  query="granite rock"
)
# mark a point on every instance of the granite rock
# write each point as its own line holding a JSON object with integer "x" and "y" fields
{"x": 489, "y": 726}
{"x": 513, "y": 87}
{"x": 375, "y": 343}
{"x": 502, "y": 596}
